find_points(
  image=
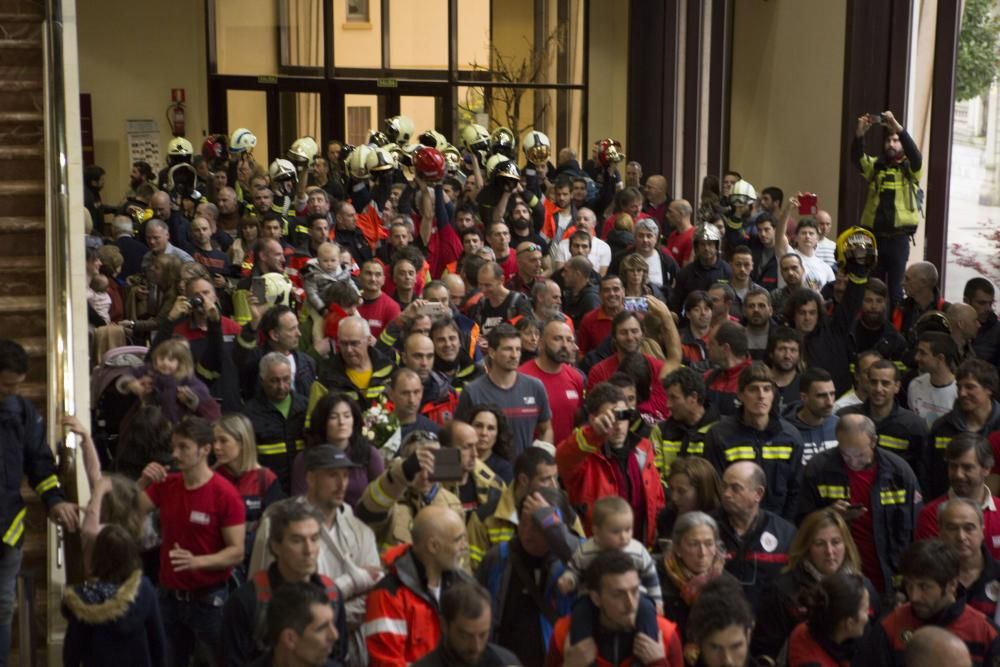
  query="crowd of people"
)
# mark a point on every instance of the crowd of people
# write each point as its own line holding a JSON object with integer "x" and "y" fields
{"x": 411, "y": 403}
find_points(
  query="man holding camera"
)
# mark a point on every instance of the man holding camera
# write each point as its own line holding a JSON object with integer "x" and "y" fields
{"x": 895, "y": 200}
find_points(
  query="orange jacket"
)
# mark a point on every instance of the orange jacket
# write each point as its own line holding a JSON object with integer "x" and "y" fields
{"x": 401, "y": 622}
{"x": 668, "y": 636}
{"x": 588, "y": 475}
{"x": 549, "y": 225}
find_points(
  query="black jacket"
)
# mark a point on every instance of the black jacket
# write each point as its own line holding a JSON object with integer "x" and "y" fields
{"x": 579, "y": 304}
{"x": 333, "y": 376}
{"x": 494, "y": 656}
{"x": 987, "y": 342}
{"x": 894, "y": 504}
{"x": 944, "y": 429}
{"x": 248, "y": 355}
{"x": 777, "y": 449}
{"x": 902, "y": 432}
{"x": 696, "y": 277}
{"x": 760, "y": 555}
{"x": 278, "y": 439}
{"x": 828, "y": 346}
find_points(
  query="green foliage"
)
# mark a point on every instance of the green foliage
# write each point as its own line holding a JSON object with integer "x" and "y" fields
{"x": 978, "y": 57}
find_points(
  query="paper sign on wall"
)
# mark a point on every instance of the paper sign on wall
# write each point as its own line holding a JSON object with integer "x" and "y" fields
{"x": 144, "y": 142}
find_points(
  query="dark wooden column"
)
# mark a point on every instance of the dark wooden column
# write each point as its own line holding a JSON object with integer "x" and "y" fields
{"x": 875, "y": 78}
{"x": 938, "y": 168}
{"x": 652, "y": 54}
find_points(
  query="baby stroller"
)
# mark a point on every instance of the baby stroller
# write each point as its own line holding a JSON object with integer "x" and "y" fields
{"x": 109, "y": 406}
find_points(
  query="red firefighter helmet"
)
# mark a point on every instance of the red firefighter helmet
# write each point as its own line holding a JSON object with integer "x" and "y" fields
{"x": 430, "y": 164}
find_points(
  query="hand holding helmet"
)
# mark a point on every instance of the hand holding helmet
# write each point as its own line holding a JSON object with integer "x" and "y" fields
{"x": 857, "y": 252}
{"x": 503, "y": 173}
{"x": 302, "y": 153}
{"x": 284, "y": 177}
{"x": 399, "y": 130}
{"x": 242, "y": 142}
{"x": 503, "y": 142}
{"x": 536, "y": 148}
{"x": 609, "y": 152}
{"x": 429, "y": 165}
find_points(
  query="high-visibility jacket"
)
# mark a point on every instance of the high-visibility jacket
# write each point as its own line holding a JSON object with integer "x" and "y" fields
{"x": 894, "y": 200}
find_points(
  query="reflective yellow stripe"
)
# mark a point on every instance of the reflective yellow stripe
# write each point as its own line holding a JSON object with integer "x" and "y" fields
{"x": 740, "y": 453}
{"x": 47, "y": 484}
{"x": 205, "y": 373}
{"x": 893, "y": 497}
{"x": 379, "y": 496}
{"x": 832, "y": 491}
{"x": 501, "y": 534}
{"x": 776, "y": 452}
{"x": 890, "y": 442}
{"x": 300, "y": 445}
{"x": 672, "y": 445}
{"x": 272, "y": 448}
{"x": 16, "y": 529}
{"x": 582, "y": 442}
{"x": 696, "y": 448}
{"x": 941, "y": 442}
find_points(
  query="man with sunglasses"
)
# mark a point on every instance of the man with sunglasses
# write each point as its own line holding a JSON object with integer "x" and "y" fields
{"x": 529, "y": 267}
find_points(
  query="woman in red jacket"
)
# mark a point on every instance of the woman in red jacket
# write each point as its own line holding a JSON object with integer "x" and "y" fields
{"x": 838, "y": 615}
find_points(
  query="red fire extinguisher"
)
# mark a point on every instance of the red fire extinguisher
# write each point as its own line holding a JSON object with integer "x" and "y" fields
{"x": 175, "y": 118}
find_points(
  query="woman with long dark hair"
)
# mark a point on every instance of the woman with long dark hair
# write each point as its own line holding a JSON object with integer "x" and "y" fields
{"x": 336, "y": 420}
{"x": 494, "y": 446}
{"x": 837, "y": 617}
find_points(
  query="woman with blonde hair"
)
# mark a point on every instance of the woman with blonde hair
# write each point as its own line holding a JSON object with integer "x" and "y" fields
{"x": 235, "y": 450}
{"x": 634, "y": 270}
{"x": 822, "y": 546}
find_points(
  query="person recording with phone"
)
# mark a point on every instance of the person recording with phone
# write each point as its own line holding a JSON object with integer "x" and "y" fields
{"x": 412, "y": 482}
{"x": 895, "y": 201}
{"x": 874, "y": 490}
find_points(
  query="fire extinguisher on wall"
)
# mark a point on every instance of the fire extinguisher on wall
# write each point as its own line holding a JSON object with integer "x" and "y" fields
{"x": 175, "y": 118}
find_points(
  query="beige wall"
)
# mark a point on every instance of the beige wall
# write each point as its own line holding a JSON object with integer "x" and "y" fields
{"x": 131, "y": 54}
{"x": 787, "y": 90}
{"x": 608, "y": 73}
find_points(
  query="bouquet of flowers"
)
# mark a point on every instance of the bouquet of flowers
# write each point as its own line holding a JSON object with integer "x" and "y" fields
{"x": 379, "y": 425}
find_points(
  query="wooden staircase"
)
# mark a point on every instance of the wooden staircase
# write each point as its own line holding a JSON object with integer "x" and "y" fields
{"x": 23, "y": 275}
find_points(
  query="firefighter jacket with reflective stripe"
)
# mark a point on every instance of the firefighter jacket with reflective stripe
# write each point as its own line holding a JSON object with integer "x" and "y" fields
{"x": 332, "y": 377}
{"x": 279, "y": 439}
{"x": 673, "y": 439}
{"x": 894, "y": 202}
{"x": 894, "y": 504}
{"x": 944, "y": 429}
{"x": 402, "y": 622}
{"x": 777, "y": 449}
{"x": 25, "y": 453}
{"x": 901, "y": 432}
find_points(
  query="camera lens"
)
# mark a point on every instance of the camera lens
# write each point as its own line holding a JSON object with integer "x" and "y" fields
{"x": 197, "y": 302}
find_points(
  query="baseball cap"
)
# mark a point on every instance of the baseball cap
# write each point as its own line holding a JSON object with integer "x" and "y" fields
{"x": 328, "y": 457}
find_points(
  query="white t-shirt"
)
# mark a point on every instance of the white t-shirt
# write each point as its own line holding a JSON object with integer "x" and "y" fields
{"x": 600, "y": 253}
{"x": 816, "y": 272}
{"x": 827, "y": 251}
{"x": 655, "y": 275}
{"x": 928, "y": 401}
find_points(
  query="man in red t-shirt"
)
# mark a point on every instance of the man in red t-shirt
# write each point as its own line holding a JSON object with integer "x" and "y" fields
{"x": 202, "y": 520}
{"x": 595, "y": 326}
{"x": 377, "y": 307}
{"x": 563, "y": 383}
{"x": 626, "y": 333}
{"x": 680, "y": 242}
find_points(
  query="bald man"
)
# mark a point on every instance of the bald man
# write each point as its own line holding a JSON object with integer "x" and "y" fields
{"x": 439, "y": 399}
{"x": 680, "y": 241}
{"x": 401, "y": 624}
{"x": 826, "y": 249}
{"x": 176, "y": 223}
{"x": 229, "y": 209}
{"x": 657, "y": 199}
{"x": 923, "y": 294}
{"x": 759, "y": 538}
{"x": 964, "y": 323}
{"x": 931, "y": 646}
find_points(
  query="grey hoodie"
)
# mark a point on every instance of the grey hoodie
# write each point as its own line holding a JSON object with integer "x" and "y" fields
{"x": 815, "y": 439}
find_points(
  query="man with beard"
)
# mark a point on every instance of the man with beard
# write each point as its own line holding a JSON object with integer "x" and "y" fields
{"x": 813, "y": 414}
{"x": 930, "y": 570}
{"x": 559, "y": 210}
{"x": 792, "y": 271}
{"x": 981, "y": 295}
{"x": 546, "y": 302}
{"x": 521, "y": 229}
{"x": 873, "y": 331}
{"x": 757, "y": 315}
{"x": 895, "y": 202}
{"x": 439, "y": 399}
{"x": 707, "y": 268}
{"x": 783, "y": 356}
{"x": 683, "y": 434}
{"x": 563, "y": 383}
{"x": 900, "y": 431}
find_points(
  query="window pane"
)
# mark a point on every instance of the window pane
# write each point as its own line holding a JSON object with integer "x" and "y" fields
{"x": 248, "y": 108}
{"x": 356, "y": 43}
{"x": 246, "y": 33}
{"x": 473, "y": 33}
{"x": 471, "y": 108}
{"x": 299, "y": 117}
{"x": 556, "y": 58}
{"x": 418, "y": 34}
{"x": 362, "y": 114}
{"x": 422, "y": 110}
{"x": 302, "y": 33}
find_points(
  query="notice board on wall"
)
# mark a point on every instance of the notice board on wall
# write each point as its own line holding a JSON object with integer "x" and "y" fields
{"x": 144, "y": 143}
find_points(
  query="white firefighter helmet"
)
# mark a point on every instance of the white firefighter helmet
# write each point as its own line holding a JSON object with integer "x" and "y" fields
{"x": 242, "y": 140}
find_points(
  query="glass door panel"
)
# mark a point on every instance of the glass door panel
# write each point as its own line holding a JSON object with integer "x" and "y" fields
{"x": 248, "y": 108}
